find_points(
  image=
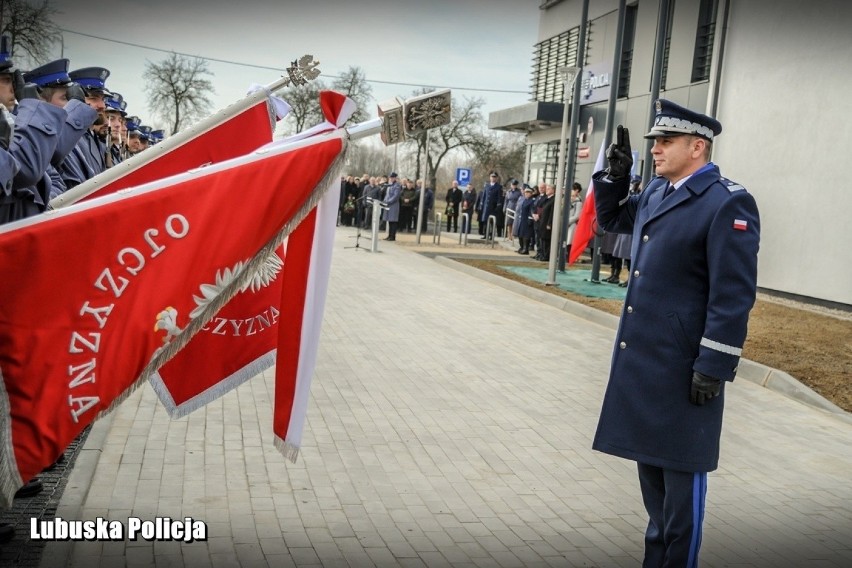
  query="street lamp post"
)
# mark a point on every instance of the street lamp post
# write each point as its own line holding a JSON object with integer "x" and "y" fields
{"x": 569, "y": 75}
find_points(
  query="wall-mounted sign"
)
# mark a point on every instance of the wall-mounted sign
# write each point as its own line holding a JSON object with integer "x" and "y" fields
{"x": 595, "y": 83}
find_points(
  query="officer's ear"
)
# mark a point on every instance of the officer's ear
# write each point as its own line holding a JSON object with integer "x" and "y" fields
{"x": 698, "y": 146}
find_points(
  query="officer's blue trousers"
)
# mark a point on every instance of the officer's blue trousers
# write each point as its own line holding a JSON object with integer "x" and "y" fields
{"x": 675, "y": 504}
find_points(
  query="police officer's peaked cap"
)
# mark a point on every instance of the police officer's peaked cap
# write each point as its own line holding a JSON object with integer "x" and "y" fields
{"x": 53, "y": 74}
{"x": 6, "y": 65}
{"x": 674, "y": 120}
{"x": 90, "y": 77}
{"x": 115, "y": 102}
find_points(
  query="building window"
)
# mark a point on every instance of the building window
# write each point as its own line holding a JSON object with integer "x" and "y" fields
{"x": 704, "y": 38}
{"x": 669, "y": 22}
{"x": 544, "y": 162}
{"x": 627, "y": 51}
{"x": 550, "y": 55}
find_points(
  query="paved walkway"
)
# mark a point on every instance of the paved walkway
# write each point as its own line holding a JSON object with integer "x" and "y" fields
{"x": 450, "y": 424}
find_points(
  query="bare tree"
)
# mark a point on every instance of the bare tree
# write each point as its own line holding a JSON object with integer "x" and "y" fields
{"x": 178, "y": 91}
{"x": 465, "y": 130}
{"x": 30, "y": 28}
{"x": 370, "y": 157}
{"x": 503, "y": 152}
{"x": 353, "y": 84}
{"x": 305, "y": 106}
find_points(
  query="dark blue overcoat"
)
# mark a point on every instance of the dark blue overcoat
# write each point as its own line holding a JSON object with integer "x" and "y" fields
{"x": 392, "y": 196}
{"x": 692, "y": 285}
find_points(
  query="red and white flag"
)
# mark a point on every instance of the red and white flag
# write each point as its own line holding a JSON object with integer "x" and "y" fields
{"x": 241, "y": 340}
{"x": 585, "y": 231}
{"x": 82, "y": 326}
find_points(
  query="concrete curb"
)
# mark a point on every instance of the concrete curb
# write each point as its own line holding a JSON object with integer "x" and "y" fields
{"x": 767, "y": 377}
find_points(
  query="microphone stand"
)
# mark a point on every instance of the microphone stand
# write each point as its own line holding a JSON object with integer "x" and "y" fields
{"x": 357, "y": 245}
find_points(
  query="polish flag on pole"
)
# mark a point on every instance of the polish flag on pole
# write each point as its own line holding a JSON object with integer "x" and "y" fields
{"x": 79, "y": 332}
{"x": 585, "y": 231}
{"x": 241, "y": 340}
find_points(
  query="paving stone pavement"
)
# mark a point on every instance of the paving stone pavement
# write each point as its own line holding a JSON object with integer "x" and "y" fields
{"x": 450, "y": 424}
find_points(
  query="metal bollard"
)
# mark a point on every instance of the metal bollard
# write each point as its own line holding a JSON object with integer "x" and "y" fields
{"x": 436, "y": 232}
{"x": 491, "y": 229}
{"x": 464, "y": 228}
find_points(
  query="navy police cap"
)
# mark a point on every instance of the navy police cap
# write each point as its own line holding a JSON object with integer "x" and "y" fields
{"x": 671, "y": 119}
{"x": 90, "y": 77}
{"x": 115, "y": 102}
{"x": 53, "y": 74}
{"x": 5, "y": 55}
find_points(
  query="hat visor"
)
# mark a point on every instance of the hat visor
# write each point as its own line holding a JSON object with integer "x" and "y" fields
{"x": 658, "y": 132}
{"x": 666, "y": 133}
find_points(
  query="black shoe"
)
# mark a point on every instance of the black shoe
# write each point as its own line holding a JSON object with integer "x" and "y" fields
{"x": 622, "y": 284}
{"x": 525, "y": 252}
{"x": 30, "y": 489}
{"x": 7, "y": 532}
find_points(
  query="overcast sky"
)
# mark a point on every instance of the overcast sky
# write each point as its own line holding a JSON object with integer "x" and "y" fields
{"x": 472, "y": 44}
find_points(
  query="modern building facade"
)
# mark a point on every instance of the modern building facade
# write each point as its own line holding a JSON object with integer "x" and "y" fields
{"x": 773, "y": 72}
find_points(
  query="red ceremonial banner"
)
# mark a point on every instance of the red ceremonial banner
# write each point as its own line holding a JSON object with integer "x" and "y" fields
{"x": 242, "y": 338}
{"x": 232, "y": 136}
{"x": 80, "y": 331}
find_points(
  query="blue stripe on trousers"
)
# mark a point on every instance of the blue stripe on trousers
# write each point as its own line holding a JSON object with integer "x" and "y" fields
{"x": 699, "y": 492}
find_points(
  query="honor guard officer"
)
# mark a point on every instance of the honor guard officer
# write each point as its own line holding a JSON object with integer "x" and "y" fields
{"x": 134, "y": 142}
{"x": 145, "y": 136}
{"x": 55, "y": 87}
{"x": 88, "y": 158}
{"x": 44, "y": 133}
{"x": 694, "y": 279}
{"x": 116, "y": 128}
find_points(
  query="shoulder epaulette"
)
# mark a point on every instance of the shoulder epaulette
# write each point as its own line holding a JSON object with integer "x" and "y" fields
{"x": 731, "y": 186}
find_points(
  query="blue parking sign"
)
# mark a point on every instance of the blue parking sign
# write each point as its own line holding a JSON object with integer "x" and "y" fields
{"x": 464, "y": 176}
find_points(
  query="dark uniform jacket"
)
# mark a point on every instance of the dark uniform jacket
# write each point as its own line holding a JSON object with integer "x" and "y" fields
{"x": 693, "y": 282}
{"x": 394, "y": 191}
{"x": 43, "y": 135}
{"x": 490, "y": 200}
{"x": 85, "y": 161}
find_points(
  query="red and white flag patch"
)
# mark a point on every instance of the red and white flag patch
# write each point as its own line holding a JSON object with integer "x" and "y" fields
{"x": 740, "y": 224}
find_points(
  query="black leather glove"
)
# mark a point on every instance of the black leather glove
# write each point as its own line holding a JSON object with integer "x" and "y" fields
{"x": 75, "y": 92}
{"x": 7, "y": 127}
{"x": 703, "y": 388}
{"x": 24, "y": 90}
{"x": 619, "y": 156}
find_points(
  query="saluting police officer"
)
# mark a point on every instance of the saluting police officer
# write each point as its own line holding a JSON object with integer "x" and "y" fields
{"x": 88, "y": 158}
{"x": 55, "y": 87}
{"x": 44, "y": 132}
{"x": 694, "y": 279}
